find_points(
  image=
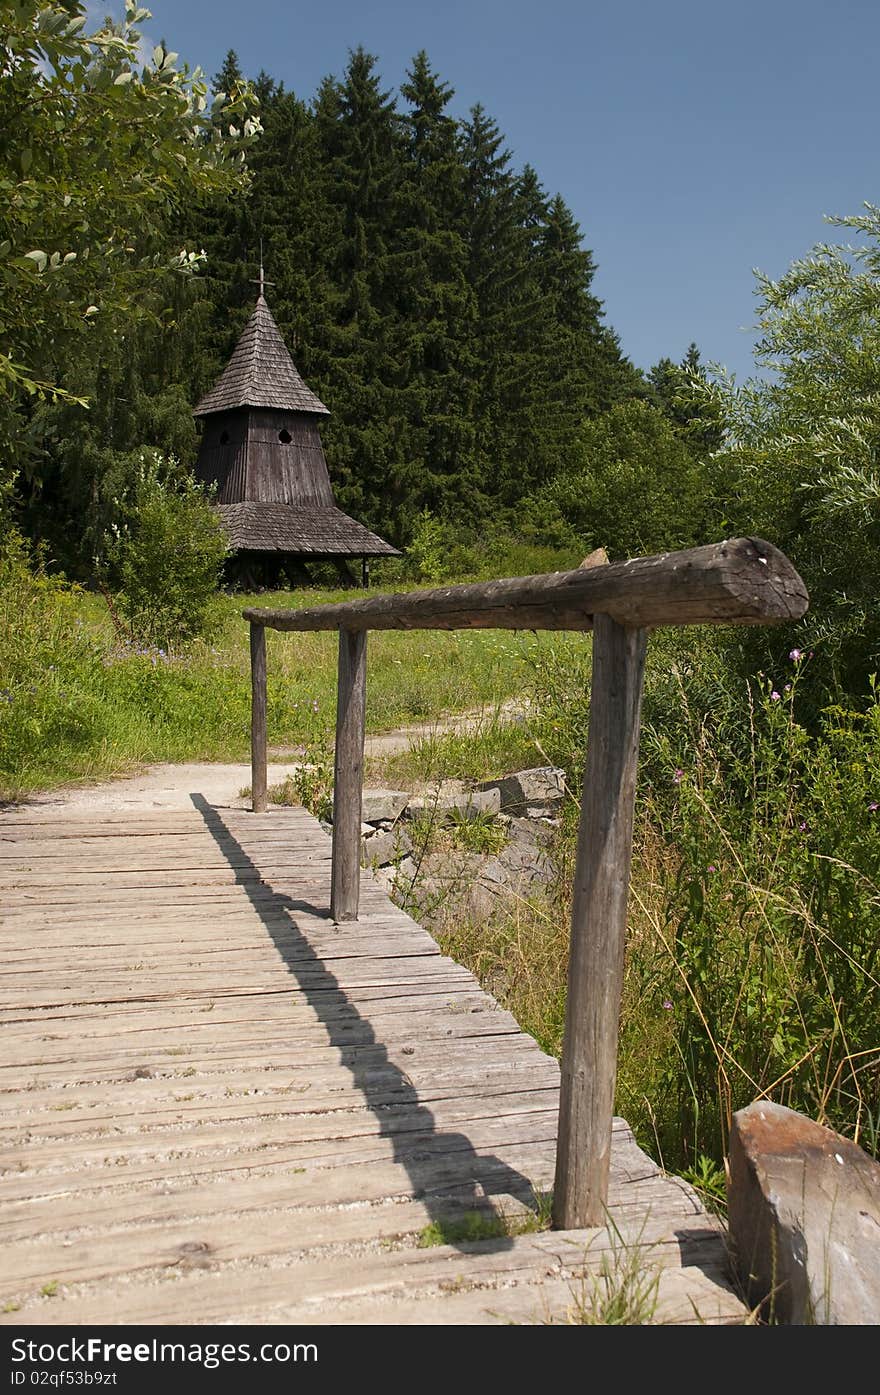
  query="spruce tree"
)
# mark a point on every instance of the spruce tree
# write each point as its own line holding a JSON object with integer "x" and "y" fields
{"x": 497, "y": 272}
{"x": 680, "y": 392}
{"x": 434, "y": 307}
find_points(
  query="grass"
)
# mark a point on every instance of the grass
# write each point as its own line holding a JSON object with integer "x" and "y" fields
{"x": 495, "y": 742}
{"x": 520, "y": 956}
{"x": 81, "y": 705}
{"x": 470, "y": 1227}
{"x": 439, "y": 830}
{"x": 753, "y": 965}
{"x": 623, "y": 1291}
{"x": 709, "y": 1181}
{"x": 479, "y": 832}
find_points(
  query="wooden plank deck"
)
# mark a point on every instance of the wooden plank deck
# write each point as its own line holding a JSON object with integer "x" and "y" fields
{"x": 218, "y": 1106}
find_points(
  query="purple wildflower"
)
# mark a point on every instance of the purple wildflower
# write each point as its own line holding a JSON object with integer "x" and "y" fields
{"x": 667, "y": 1004}
{"x": 774, "y": 696}
{"x": 873, "y": 805}
{"x": 711, "y": 867}
{"x": 795, "y": 655}
{"x": 678, "y": 777}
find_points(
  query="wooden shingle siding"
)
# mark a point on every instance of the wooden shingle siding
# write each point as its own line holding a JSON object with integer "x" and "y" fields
{"x": 223, "y": 456}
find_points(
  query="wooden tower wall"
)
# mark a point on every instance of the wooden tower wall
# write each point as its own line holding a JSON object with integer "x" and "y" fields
{"x": 286, "y": 472}
{"x": 223, "y": 455}
{"x": 245, "y": 454}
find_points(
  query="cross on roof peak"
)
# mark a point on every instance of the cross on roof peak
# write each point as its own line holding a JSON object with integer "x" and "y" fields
{"x": 262, "y": 282}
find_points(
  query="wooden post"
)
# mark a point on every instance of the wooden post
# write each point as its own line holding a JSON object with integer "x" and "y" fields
{"x": 258, "y": 718}
{"x": 348, "y": 777}
{"x": 598, "y": 930}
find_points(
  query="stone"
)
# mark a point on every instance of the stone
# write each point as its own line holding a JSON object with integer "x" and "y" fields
{"x": 453, "y": 796}
{"x": 384, "y": 846}
{"x": 384, "y": 877}
{"x": 435, "y": 799}
{"x": 454, "y": 867}
{"x": 405, "y": 874}
{"x": 804, "y": 1218}
{"x": 475, "y": 802}
{"x": 379, "y": 805}
{"x": 530, "y": 792}
{"x": 524, "y": 863}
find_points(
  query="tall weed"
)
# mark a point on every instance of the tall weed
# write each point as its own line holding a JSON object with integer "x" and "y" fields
{"x": 753, "y": 960}
{"x": 760, "y": 934}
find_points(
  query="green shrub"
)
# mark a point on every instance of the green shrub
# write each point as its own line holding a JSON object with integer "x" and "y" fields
{"x": 426, "y": 554}
{"x": 767, "y": 925}
{"x": 310, "y": 785}
{"x": 637, "y": 488}
{"x": 168, "y": 553}
{"x": 46, "y": 661}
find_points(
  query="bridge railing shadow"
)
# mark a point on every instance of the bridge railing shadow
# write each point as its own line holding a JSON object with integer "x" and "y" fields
{"x": 446, "y": 1173}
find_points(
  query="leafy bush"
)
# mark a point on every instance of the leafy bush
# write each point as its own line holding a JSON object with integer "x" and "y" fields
{"x": 535, "y": 540}
{"x": 426, "y": 554}
{"x": 636, "y": 489}
{"x": 800, "y": 464}
{"x": 168, "y": 554}
{"x": 48, "y": 714}
{"x": 130, "y": 140}
{"x": 310, "y": 785}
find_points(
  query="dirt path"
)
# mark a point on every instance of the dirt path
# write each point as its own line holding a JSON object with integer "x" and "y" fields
{"x": 171, "y": 786}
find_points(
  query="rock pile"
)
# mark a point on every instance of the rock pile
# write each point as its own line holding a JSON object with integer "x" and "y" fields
{"x": 400, "y": 841}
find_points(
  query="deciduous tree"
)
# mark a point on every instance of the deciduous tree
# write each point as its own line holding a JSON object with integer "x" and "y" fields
{"x": 97, "y": 152}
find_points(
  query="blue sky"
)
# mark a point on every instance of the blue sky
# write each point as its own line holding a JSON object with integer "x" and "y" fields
{"x": 693, "y": 142}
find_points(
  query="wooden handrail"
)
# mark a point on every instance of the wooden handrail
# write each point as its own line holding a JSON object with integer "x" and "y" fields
{"x": 743, "y": 581}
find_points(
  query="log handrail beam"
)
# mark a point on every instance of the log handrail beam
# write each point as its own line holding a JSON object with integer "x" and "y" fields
{"x": 743, "y": 581}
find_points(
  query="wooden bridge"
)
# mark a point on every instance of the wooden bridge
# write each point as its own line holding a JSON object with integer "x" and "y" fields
{"x": 222, "y": 1102}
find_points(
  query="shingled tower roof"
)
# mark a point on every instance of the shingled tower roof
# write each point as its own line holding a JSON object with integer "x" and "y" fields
{"x": 260, "y": 373}
{"x": 261, "y": 453}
